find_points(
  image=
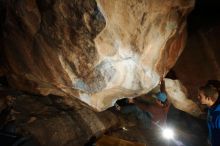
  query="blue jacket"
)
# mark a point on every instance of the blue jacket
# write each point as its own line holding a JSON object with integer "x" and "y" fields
{"x": 213, "y": 120}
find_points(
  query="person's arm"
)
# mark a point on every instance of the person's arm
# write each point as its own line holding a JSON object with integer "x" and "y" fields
{"x": 217, "y": 121}
{"x": 163, "y": 89}
{"x": 162, "y": 85}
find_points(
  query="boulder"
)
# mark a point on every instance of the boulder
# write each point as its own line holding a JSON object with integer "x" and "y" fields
{"x": 92, "y": 51}
{"x": 178, "y": 95}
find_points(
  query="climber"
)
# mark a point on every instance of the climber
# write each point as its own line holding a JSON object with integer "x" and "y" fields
{"x": 152, "y": 107}
{"x": 209, "y": 96}
{"x": 158, "y": 107}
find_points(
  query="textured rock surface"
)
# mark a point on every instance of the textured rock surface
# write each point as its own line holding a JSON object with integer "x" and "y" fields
{"x": 50, "y": 122}
{"x": 94, "y": 51}
{"x": 178, "y": 96}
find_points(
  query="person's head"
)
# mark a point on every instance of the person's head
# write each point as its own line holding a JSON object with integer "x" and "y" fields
{"x": 215, "y": 83}
{"x": 161, "y": 98}
{"x": 208, "y": 95}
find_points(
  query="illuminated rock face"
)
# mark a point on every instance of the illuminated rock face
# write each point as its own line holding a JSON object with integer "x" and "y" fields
{"x": 94, "y": 51}
{"x": 178, "y": 96}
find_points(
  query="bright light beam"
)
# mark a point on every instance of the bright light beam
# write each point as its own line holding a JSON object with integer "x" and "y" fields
{"x": 168, "y": 133}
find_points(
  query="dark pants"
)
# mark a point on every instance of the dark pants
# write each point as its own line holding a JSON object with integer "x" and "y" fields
{"x": 143, "y": 117}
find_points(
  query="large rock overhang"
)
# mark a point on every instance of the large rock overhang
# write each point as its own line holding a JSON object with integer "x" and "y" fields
{"x": 94, "y": 51}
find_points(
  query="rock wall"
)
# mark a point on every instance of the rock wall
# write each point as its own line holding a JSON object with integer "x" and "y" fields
{"x": 49, "y": 122}
{"x": 203, "y": 57}
{"x": 92, "y": 51}
{"x": 179, "y": 97}
{"x": 200, "y": 60}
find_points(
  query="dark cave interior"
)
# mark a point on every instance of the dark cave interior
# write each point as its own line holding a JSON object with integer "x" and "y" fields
{"x": 53, "y": 123}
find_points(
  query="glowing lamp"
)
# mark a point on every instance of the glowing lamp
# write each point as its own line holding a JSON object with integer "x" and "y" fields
{"x": 168, "y": 133}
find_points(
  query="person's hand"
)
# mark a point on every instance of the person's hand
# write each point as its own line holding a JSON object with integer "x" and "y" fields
{"x": 130, "y": 100}
{"x": 159, "y": 103}
{"x": 117, "y": 107}
{"x": 161, "y": 79}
